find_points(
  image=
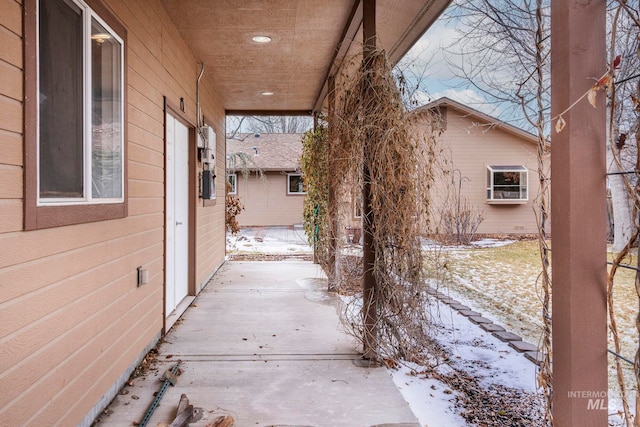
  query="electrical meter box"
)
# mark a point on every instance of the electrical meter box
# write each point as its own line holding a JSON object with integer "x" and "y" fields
{"x": 208, "y": 187}
{"x": 206, "y": 145}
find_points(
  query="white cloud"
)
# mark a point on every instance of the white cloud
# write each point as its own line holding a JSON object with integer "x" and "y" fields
{"x": 468, "y": 97}
{"x": 434, "y": 64}
{"x": 430, "y": 51}
{"x": 464, "y": 96}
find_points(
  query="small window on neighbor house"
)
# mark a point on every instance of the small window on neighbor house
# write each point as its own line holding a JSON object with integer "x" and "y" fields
{"x": 232, "y": 180}
{"x": 80, "y": 106}
{"x": 507, "y": 184}
{"x": 295, "y": 184}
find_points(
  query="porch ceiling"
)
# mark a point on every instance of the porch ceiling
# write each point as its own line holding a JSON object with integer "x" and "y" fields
{"x": 306, "y": 40}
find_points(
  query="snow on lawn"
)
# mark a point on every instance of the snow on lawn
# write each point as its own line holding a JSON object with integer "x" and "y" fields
{"x": 502, "y": 283}
{"x": 498, "y": 278}
{"x": 269, "y": 240}
{"x": 475, "y": 353}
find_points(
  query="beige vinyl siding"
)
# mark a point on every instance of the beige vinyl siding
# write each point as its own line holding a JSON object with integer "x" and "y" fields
{"x": 266, "y": 201}
{"x": 72, "y": 318}
{"x": 10, "y": 116}
{"x": 210, "y": 221}
{"x": 473, "y": 146}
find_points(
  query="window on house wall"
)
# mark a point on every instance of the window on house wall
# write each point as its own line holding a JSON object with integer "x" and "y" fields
{"x": 232, "y": 179}
{"x": 75, "y": 131}
{"x": 357, "y": 204}
{"x": 507, "y": 184}
{"x": 295, "y": 184}
{"x": 80, "y": 106}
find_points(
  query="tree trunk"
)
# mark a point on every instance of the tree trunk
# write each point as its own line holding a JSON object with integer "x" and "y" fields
{"x": 623, "y": 223}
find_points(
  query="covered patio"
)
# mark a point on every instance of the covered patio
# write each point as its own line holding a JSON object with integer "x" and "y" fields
{"x": 263, "y": 343}
{"x": 89, "y": 284}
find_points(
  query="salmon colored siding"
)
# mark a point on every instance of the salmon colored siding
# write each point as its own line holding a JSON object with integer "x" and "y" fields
{"x": 11, "y": 66}
{"x": 72, "y": 319}
{"x": 210, "y": 220}
{"x": 472, "y": 146}
{"x": 266, "y": 201}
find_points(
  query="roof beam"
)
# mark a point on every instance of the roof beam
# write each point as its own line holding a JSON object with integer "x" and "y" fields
{"x": 264, "y": 113}
{"x": 429, "y": 12}
{"x": 348, "y": 35}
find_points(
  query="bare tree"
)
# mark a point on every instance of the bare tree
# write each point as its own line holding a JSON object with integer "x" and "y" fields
{"x": 498, "y": 53}
{"x": 503, "y": 51}
{"x": 240, "y": 126}
{"x": 622, "y": 149}
{"x": 502, "y": 63}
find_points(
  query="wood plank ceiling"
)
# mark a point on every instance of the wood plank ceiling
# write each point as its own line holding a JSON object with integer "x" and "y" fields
{"x": 307, "y": 38}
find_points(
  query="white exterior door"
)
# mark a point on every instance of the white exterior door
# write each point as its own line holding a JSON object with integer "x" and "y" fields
{"x": 177, "y": 215}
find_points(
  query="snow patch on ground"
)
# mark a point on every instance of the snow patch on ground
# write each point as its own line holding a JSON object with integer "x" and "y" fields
{"x": 431, "y": 401}
{"x": 272, "y": 240}
{"x": 471, "y": 350}
{"x": 491, "y": 243}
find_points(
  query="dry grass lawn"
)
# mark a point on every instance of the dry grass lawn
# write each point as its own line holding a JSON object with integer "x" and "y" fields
{"x": 503, "y": 284}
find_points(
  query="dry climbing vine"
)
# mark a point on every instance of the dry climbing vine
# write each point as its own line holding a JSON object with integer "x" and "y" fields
{"x": 315, "y": 167}
{"x": 545, "y": 373}
{"x": 370, "y": 127}
{"x": 624, "y": 96}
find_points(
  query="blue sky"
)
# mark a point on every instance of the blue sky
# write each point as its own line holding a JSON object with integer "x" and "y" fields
{"x": 428, "y": 62}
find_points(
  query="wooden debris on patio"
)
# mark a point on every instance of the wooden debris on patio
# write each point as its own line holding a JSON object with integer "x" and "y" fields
{"x": 185, "y": 415}
{"x": 223, "y": 421}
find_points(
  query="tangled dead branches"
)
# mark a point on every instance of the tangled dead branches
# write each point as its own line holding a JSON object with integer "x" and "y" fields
{"x": 233, "y": 207}
{"x": 372, "y": 131}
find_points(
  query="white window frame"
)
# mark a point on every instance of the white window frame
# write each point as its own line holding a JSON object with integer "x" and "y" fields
{"x": 494, "y": 196}
{"x": 294, "y": 193}
{"x": 357, "y": 205}
{"x": 87, "y": 15}
{"x": 234, "y": 186}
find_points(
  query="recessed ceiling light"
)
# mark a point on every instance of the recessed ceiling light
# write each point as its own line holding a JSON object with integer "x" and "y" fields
{"x": 261, "y": 39}
{"x": 266, "y": 93}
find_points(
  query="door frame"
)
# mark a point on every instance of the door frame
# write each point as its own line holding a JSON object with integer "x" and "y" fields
{"x": 179, "y": 115}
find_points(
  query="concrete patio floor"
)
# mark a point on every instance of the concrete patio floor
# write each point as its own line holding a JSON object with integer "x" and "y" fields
{"x": 263, "y": 343}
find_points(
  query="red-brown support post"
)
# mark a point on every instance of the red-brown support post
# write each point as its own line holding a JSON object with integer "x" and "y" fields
{"x": 369, "y": 309}
{"x": 332, "y": 203}
{"x": 578, "y": 219}
{"x": 315, "y": 236}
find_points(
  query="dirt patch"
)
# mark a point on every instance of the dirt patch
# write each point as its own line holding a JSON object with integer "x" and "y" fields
{"x": 495, "y": 405}
{"x": 482, "y": 404}
{"x": 148, "y": 364}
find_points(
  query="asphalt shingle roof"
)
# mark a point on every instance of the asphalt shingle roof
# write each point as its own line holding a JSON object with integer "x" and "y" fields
{"x": 269, "y": 152}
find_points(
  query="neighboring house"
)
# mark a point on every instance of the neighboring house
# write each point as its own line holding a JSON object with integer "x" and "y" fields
{"x": 493, "y": 163}
{"x": 272, "y": 188}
